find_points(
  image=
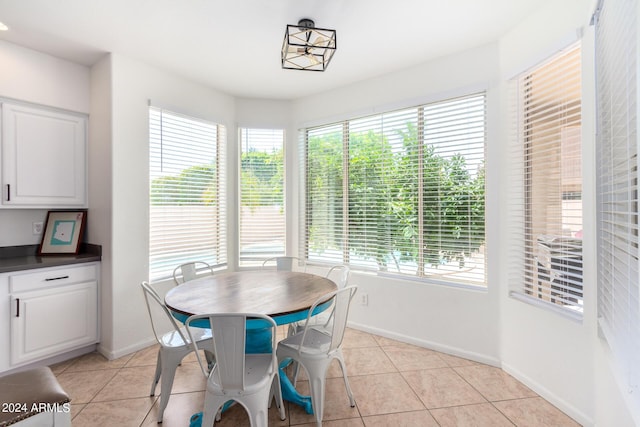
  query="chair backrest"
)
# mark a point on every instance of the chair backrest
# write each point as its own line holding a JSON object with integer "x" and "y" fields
{"x": 283, "y": 263}
{"x": 189, "y": 271}
{"x": 229, "y": 342}
{"x": 339, "y": 274}
{"x": 161, "y": 318}
{"x": 338, "y": 324}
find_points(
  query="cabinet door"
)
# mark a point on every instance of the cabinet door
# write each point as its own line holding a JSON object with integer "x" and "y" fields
{"x": 51, "y": 321}
{"x": 43, "y": 157}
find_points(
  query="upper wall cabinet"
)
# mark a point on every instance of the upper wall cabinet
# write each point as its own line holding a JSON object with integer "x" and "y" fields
{"x": 43, "y": 157}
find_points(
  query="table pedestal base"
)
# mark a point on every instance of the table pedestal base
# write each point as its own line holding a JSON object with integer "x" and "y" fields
{"x": 289, "y": 392}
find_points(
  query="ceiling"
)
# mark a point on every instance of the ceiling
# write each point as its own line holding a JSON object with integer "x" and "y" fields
{"x": 234, "y": 45}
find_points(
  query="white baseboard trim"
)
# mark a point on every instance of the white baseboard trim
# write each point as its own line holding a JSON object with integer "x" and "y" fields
{"x": 53, "y": 360}
{"x": 549, "y": 396}
{"x": 116, "y": 354}
{"x": 431, "y": 345}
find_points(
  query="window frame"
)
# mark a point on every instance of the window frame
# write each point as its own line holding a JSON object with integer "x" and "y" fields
{"x": 261, "y": 136}
{"x": 529, "y": 255}
{"x": 197, "y": 129}
{"x": 345, "y": 127}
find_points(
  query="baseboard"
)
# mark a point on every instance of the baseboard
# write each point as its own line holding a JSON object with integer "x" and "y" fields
{"x": 549, "y": 396}
{"x": 53, "y": 360}
{"x": 431, "y": 345}
{"x": 116, "y": 354}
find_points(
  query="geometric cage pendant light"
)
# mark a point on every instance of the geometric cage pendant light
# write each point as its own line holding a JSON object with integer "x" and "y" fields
{"x": 306, "y": 47}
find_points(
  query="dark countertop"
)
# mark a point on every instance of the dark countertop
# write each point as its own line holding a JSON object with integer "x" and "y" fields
{"x": 15, "y": 258}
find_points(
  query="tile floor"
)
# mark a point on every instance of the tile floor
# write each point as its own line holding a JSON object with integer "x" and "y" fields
{"x": 393, "y": 384}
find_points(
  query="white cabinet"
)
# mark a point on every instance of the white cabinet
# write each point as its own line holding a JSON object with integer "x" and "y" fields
{"x": 43, "y": 157}
{"x": 52, "y": 310}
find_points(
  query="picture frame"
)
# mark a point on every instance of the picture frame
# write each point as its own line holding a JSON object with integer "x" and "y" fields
{"x": 63, "y": 231}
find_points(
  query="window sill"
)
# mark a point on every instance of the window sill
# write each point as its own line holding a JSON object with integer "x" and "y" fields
{"x": 431, "y": 281}
{"x": 570, "y": 313}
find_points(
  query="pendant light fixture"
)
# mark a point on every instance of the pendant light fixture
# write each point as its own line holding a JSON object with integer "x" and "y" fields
{"x": 306, "y": 47}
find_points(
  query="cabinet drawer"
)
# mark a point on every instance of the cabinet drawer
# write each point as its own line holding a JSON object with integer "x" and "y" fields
{"x": 52, "y": 277}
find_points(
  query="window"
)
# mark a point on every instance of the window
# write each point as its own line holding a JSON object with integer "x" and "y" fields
{"x": 262, "y": 220}
{"x": 617, "y": 187}
{"x": 187, "y": 198}
{"x": 399, "y": 193}
{"x": 546, "y": 198}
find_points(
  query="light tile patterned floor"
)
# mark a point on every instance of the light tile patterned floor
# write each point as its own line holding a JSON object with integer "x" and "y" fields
{"x": 394, "y": 384}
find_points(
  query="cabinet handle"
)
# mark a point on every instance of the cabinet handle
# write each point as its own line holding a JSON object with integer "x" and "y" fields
{"x": 17, "y": 307}
{"x": 8, "y": 192}
{"x": 56, "y": 278}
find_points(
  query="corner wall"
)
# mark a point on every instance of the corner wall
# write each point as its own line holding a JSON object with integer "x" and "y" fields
{"x": 100, "y": 186}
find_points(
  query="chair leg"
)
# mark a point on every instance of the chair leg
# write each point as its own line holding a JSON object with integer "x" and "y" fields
{"x": 168, "y": 374}
{"x": 275, "y": 386}
{"x": 210, "y": 410}
{"x": 156, "y": 377}
{"x": 291, "y": 329}
{"x": 256, "y": 407}
{"x": 210, "y": 359}
{"x": 343, "y": 366}
{"x": 317, "y": 372}
{"x": 317, "y": 398}
{"x": 296, "y": 371}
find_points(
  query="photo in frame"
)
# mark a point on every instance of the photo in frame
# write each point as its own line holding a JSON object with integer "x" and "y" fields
{"x": 63, "y": 232}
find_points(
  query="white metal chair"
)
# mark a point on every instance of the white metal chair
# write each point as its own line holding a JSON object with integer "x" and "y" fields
{"x": 248, "y": 379}
{"x": 190, "y": 270}
{"x": 283, "y": 263}
{"x": 315, "y": 347}
{"x": 340, "y": 275}
{"x": 174, "y": 345}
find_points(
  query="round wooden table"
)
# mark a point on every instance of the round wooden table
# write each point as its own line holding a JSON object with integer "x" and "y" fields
{"x": 284, "y": 296}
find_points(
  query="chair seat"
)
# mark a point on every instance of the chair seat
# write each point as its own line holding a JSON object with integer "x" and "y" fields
{"x": 255, "y": 367}
{"x": 319, "y": 321}
{"x": 173, "y": 338}
{"x": 316, "y": 342}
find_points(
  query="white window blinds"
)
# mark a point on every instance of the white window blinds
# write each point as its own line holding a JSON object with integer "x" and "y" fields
{"x": 617, "y": 191}
{"x": 262, "y": 211}
{"x": 545, "y": 200}
{"x": 400, "y": 192}
{"x": 187, "y": 194}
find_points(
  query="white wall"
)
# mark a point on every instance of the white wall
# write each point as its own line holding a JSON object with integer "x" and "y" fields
{"x": 461, "y": 321}
{"x": 100, "y": 184}
{"x": 133, "y": 84}
{"x": 44, "y": 79}
{"x": 32, "y": 76}
{"x": 553, "y": 354}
